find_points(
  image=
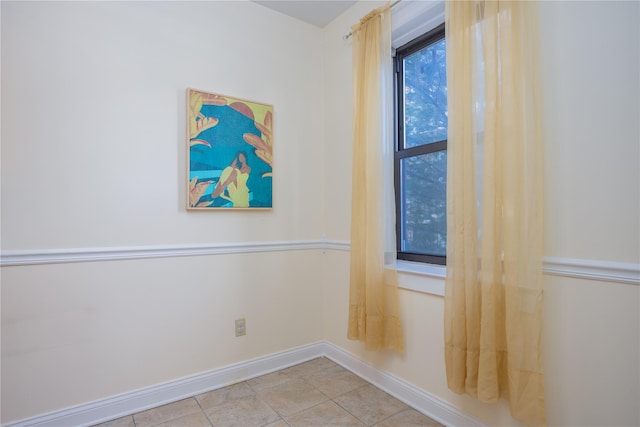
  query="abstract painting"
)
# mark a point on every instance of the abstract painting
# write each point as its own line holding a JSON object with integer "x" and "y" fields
{"x": 230, "y": 152}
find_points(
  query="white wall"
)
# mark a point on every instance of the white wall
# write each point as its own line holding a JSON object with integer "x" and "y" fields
{"x": 94, "y": 96}
{"x": 591, "y": 92}
{"x": 592, "y": 84}
{"x": 591, "y": 76}
{"x": 93, "y": 156}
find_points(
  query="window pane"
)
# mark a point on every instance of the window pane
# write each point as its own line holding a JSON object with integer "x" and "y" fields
{"x": 424, "y": 196}
{"x": 425, "y": 95}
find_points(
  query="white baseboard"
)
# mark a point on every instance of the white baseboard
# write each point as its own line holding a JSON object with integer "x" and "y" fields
{"x": 129, "y": 403}
{"x": 418, "y": 399}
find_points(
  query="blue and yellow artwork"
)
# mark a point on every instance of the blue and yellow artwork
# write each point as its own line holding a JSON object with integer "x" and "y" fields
{"x": 230, "y": 146}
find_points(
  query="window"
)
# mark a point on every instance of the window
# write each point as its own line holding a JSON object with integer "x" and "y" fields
{"x": 421, "y": 150}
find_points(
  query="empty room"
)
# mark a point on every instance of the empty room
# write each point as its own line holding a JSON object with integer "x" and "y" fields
{"x": 435, "y": 203}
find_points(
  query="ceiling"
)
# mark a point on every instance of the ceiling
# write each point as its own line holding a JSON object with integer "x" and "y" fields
{"x": 315, "y": 12}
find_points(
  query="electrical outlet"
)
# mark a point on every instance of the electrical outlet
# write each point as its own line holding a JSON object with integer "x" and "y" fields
{"x": 241, "y": 327}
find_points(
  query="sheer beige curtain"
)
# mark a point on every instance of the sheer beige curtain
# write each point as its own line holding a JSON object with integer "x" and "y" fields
{"x": 493, "y": 292}
{"x": 373, "y": 298}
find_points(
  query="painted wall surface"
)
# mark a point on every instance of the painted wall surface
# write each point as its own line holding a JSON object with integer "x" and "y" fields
{"x": 76, "y": 333}
{"x": 592, "y": 104}
{"x": 591, "y": 96}
{"x": 94, "y": 113}
{"x": 93, "y": 136}
{"x": 93, "y": 156}
{"x": 591, "y": 90}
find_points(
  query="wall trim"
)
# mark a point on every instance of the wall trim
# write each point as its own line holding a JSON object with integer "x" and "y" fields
{"x": 338, "y": 245}
{"x": 111, "y": 408}
{"x": 607, "y": 271}
{"x": 412, "y": 19}
{"x": 413, "y": 396}
{"x": 71, "y": 255}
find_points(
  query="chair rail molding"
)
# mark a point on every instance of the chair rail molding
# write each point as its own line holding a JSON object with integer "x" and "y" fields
{"x": 606, "y": 271}
{"x": 72, "y": 255}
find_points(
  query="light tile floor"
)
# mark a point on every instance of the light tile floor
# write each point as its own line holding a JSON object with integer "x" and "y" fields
{"x": 315, "y": 393}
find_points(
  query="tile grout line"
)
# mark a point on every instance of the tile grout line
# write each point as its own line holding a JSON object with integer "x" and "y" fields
{"x": 332, "y": 399}
{"x": 265, "y": 402}
{"x": 202, "y": 410}
{"x": 309, "y": 376}
{"x": 350, "y": 391}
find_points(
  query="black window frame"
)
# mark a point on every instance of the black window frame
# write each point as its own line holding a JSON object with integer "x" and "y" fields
{"x": 430, "y": 37}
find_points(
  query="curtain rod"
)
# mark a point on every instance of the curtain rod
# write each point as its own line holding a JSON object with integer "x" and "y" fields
{"x": 346, "y": 36}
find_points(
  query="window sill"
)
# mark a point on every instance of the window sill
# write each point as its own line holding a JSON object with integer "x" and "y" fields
{"x": 420, "y": 277}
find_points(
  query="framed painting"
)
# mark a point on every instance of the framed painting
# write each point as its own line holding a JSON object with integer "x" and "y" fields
{"x": 230, "y": 152}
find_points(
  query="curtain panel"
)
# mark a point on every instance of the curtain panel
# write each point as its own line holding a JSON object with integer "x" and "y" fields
{"x": 493, "y": 292}
{"x": 373, "y": 292}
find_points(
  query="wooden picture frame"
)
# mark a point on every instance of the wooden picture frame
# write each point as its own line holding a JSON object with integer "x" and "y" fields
{"x": 230, "y": 153}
